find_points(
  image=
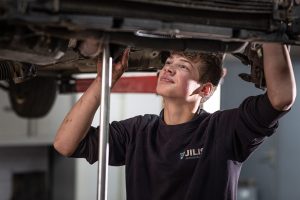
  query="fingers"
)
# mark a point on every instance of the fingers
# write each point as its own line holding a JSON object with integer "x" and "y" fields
{"x": 120, "y": 67}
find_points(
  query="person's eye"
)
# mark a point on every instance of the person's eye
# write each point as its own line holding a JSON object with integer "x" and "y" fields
{"x": 167, "y": 62}
{"x": 183, "y": 66}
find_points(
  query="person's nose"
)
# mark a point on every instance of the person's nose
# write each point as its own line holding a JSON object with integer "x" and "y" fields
{"x": 169, "y": 69}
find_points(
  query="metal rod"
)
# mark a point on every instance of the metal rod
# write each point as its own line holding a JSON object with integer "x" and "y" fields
{"x": 104, "y": 122}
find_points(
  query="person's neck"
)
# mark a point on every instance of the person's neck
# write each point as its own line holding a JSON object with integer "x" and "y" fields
{"x": 177, "y": 112}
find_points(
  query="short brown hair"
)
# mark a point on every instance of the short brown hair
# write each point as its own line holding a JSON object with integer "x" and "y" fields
{"x": 210, "y": 67}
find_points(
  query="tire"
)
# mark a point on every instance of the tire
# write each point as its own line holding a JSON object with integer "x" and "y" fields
{"x": 33, "y": 98}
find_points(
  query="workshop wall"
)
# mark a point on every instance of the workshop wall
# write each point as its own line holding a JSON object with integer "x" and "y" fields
{"x": 15, "y": 130}
{"x": 24, "y": 150}
{"x": 23, "y": 169}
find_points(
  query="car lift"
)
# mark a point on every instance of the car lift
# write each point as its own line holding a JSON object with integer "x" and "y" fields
{"x": 104, "y": 122}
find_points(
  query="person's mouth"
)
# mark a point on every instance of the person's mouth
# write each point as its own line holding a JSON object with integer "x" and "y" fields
{"x": 166, "y": 79}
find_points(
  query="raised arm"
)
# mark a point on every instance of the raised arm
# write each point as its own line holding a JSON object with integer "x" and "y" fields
{"x": 78, "y": 121}
{"x": 281, "y": 85}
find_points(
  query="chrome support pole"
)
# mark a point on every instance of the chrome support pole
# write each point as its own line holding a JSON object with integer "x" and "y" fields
{"x": 104, "y": 122}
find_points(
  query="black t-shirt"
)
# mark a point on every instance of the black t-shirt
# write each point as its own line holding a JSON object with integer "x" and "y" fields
{"x": 199, "y": 159}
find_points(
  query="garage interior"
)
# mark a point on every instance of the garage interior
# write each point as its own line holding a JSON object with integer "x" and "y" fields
{"x": 29, "y": 165}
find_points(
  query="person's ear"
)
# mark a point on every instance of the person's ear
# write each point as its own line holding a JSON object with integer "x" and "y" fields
{"x": 206, "y": 89}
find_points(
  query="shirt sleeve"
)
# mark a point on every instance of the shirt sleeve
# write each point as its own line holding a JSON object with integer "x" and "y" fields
{"x": 119, "y": 137}
{"x": 253, "y": 121}
{"x": 88, "y": 147}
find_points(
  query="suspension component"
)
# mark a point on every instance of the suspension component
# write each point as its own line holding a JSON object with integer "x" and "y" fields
{"x": 16, "y": 71}
{"x": 143, "y": 60}
{"x": 6, "y": 71}
{"x": 253, "y": 57}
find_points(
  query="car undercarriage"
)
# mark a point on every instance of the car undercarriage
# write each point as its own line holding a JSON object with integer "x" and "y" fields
{"x": 43, "y": 43}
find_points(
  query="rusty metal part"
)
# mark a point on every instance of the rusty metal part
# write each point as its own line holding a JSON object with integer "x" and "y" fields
{"x": 253, "y": 57}
{"x": 90, "y": 47}
{"x": 16, "y": 71}
{"x": 146, "y": 59}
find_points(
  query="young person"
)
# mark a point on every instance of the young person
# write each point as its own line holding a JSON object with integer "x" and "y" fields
{"x": 184, "y": 153}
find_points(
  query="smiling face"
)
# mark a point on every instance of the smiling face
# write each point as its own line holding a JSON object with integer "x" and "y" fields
{"x": 179, "y": 78}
